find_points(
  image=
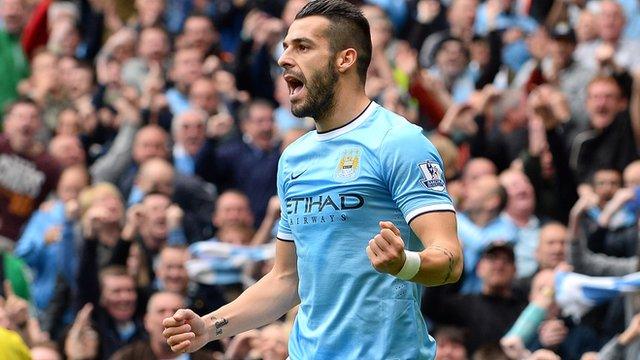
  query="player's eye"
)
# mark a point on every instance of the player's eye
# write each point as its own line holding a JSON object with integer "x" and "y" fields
{"x": 302, "y": 48}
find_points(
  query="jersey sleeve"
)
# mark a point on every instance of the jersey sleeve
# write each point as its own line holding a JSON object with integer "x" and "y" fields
{"x": 413, "y": 172}
{"x": 284, "y": 230}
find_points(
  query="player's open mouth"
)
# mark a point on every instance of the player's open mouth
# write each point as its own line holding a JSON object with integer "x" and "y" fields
{"x": 295, "y": 87}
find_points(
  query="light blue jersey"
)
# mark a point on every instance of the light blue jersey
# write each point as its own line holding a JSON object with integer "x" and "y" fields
{"x": 335, "y": 187}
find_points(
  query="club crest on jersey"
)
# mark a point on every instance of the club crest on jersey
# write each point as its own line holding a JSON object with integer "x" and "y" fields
{"x": 349, "y": 165}
{"x": 433, "y": 176}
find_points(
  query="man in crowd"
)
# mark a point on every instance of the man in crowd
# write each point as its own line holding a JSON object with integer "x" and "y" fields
{"x": 27, "y": 172}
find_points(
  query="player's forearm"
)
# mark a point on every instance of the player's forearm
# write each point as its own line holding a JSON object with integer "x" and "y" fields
{"x": 261, "y": 304}
{"x": 439, "y": 265}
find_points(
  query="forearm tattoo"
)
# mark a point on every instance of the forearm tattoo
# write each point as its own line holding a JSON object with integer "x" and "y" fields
{"x": 219, "y": 324}
{"x": 450, "y": 256}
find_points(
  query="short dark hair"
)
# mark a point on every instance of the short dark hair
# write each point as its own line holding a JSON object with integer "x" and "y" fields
{"x": 20, "y": 101}
{"x": 245, "y": 109}
{"x": 592, "y": 176}
{"x": 450, "y": 333}
{"x": 349, "y": 29}
{"x": 112, "y": 270}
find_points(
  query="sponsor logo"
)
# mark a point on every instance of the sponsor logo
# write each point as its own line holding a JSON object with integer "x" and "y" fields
{"x": 324, "y": 203}
{"x": 322, "y": 208}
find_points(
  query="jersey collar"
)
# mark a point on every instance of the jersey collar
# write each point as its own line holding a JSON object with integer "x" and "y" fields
{"x": 328, "y": 135}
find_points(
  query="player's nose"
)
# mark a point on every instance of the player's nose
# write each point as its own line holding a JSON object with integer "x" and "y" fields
{"x": 285, "y": 61}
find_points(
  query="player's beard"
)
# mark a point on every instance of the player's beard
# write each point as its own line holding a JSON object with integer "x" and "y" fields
{"x": 321, "y": 91}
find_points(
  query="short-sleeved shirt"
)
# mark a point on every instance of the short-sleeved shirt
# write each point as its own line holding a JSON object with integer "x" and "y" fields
{"x": 335, "y": 188}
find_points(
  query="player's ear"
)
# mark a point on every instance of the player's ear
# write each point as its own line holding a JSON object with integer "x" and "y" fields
{"x": 346, "y": 59}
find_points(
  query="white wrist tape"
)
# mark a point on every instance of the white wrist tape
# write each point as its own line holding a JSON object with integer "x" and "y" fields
{"x": 411, "y": 265}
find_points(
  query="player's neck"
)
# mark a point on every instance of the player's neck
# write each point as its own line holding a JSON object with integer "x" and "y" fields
{"x": 347, "y": 107}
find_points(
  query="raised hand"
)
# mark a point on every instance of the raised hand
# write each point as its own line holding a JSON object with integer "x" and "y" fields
{"x": 219, "y": 125}
{"x": 135, "y": 217}
{"x": 52, "y": 234}
{"x": 16, "y": 307}
{"x": 386, "y": 249}
{"x": 185, "y": 331}
{"x": 82, "y": 341}
{"x": 631, "y": 332}
{"x": 174, "y": 216}
{"x": 553, "y": 332}
{"x": 72, "y": 210}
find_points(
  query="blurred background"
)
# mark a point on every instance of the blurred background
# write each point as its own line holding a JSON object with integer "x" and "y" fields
{"x": 139, "y": 150}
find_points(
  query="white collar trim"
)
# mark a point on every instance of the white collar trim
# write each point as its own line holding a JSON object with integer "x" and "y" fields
{"x": 350, "y": 125}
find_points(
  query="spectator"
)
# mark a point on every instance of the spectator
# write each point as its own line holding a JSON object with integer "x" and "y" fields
{"x": 474, "y": 169}
{"x": 501, "y": 15}
{"x": 588, "y": 263}
{"x": 203, "y": 94}
{"x": 610, "y": 21}
{"x": 191, "y": 194}
{"x": 550, "y": 252}
{"x": 560, "y": 334}
{"x": 67, "y": 150}
{"x": 153, "y": 48}
{"x": 253, "y": 60}
{"x": 68, "y": 122}
{"x": 450, "y": 343}
{"x": 186, "y": 68}
{"x": 461, "y": 15}
{"x": 40, "y": 243}
{"x": 614, "y": 349}
{"x": 249, "y": 164}
{"x": 269, "y": 343}
{"x": 28, "y": 174}
{"x": 585, "y": 26}
{"x": 631, "y": 174}
{"x": 12, "y": 345}
{"x": 172, "y": 276}
{"x": 112, "y": 294}
{"x": 489, "y": 351}
{"x": 232, "y": 207}
{"x": 149, "y": 142}
{"x": 564, "y": 70}
{"x": 488, "y": 315}
{"x": 451, "y": 66}
{"x": 150, "y": 13}
{"x": 188, "y": 130}
{"x": 13, "y": 62}
{"x": 519, "y": 212}
{"x": 114, "y": 162}
{"x": 610, "y": 227}
{"x": 162, "y": 222}
{"x": 235, "y": 234}
{"x": 198, "y": 32}
{"x": 479, "y": 224}
{"x": 610, "y": 140}
{"x": 545, "y": 161}
{"x": 160, "y": 306}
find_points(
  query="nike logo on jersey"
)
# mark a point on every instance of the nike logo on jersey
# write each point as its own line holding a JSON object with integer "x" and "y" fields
{"x": 293, "y": 177}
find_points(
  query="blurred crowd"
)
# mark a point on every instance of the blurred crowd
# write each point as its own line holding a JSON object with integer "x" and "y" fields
{"x": 139, "y": 150}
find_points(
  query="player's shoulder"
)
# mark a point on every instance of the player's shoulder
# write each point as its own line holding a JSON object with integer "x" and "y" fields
{"x": 388, "y": 121}
{"x": 395, "y": 130}
{"x": 294, "y": 152}
{"x": 301, "y": 143}
{"x": 385, "y": 123}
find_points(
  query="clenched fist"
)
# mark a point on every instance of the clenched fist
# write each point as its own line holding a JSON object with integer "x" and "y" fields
{"x": 386, "y": 249}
